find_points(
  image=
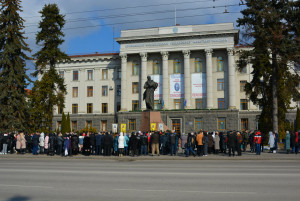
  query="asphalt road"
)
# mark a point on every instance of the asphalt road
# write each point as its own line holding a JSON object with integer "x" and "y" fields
{"x": 101, "y": 180}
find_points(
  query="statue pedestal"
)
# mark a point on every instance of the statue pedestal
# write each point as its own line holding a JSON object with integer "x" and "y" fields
{"x": 149, "y": 117}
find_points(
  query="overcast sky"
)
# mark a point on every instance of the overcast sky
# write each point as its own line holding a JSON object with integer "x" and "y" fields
{"x": 92, "y": 25}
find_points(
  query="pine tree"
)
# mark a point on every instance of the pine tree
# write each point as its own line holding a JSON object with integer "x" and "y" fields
{"x": 51, "y": 87}
{"x": 269, "y": 26}
{"x": 68, "y": 123}
{"x": 13, "y": 78}
{"x": 63, "y": 124}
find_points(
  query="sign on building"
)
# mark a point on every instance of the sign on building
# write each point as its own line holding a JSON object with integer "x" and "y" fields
{"x": 115, "y": 128}
{"x": 199, "y": 85}
{"x": 177, "y": 86}
{"x": 158, "y": 91}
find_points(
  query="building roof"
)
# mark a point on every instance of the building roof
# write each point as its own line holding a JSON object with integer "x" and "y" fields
{"x": 94, "y": 55}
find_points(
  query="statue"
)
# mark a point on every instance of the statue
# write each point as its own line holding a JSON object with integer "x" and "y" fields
{"x": 148, "y": 95}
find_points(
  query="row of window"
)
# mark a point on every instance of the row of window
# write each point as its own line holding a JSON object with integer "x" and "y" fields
{"x": 198, "y": 68}
{"x": 88, "y": 124}
{"x": 220, "y": 85}
{"x": 90, "y": 92}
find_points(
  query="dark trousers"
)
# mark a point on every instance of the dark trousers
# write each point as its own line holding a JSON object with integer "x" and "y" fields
{"x": 200, "y": 150}
{"x": 245, "y": 146}
{"x": 98, "y": 149}
{"x": 107, "y": 150}
{"x": 231, "y": 151}
{"x": 59, "y": 148}
{"x": 239, "y": 150}
{"x": 34, "y": 151}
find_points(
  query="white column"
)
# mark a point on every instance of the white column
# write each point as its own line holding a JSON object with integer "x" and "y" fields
{"x": 187, "y": 78}
{"x": 232, "y": 79}
{"x": 165, "y": 72}
{"x": 209, "y": 81}
{"x": 143, "y": 78}
{"x": 124, "y": 83}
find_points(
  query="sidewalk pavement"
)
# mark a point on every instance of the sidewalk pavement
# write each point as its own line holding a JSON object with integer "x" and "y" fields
{"x": 281, "y": 155}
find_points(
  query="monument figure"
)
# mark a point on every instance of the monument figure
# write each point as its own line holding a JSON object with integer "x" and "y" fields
{"x": 148, "y": 95}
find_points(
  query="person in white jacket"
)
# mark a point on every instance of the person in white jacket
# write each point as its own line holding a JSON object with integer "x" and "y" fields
{"x": 121, "y": 144}
{"x": 42, "y": 143}
{"x": 271, "y": 141}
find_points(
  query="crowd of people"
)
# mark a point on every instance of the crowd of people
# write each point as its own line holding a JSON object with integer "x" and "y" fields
{"x": 145, "y": 143}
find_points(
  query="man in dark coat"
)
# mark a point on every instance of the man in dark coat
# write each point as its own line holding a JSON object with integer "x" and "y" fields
{"x": 52, "y": 142}
{"x": 74, "y": 141}
{"x": 172, "y": 141}
{"x": 98, "y": 144}
{"x": 107, "y": 143}
{"x": 231, "y": 143}
{"x": 93, "y": 143}
{"x": 28, "y": 139}
{"x": 144, "y": 144}
{"x": 133, "y": 144}
{"x": 60, "y": 142}
{"x": 35, "y": 143}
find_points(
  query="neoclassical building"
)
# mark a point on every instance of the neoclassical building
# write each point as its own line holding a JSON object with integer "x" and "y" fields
{"x": 195, "y": 67}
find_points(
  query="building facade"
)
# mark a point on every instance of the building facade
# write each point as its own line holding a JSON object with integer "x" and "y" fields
{"x": 195, "y": 67}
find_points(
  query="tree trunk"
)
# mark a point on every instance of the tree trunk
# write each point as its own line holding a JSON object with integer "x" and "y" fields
{"x": 274, "y": 94}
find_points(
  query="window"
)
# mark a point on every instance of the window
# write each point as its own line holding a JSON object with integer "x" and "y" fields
{"x": 104, "y": 108}
{"x": 118, "y": 106}
{"x": 198, "y": 65}
{"x": 244, "y": 70}
{"x": 74, "y": 125}
{"x": 177, "y": 66}
{"x": 176, "y": 125}
{"x": 90, "y": 74}
{"x": 103, "y": 125}
{"x": 75, "y": 75}
{"x": 155, "y": 67}
{"x": 135, "y": 87}
{"x": 221, "y": 103}
{"x": 104, "y": 90}
{"x": 74, "y": 108}
{"x": 242, "y": 85}
{"x": 135, "y": 68}
{"x": 132, "y": 124}
{"x": 221, "y": 123}
{"x": 177, "y": 104}
{"x": 58, "y": 125}
{"x": 199, "y": 103}
{"x": 61, "y": 74}
{"x": 198, "y": 124}
{"x": 244, "y": 124}
{"x": 157, "y": 105}
{"x": 220, "y": 84}
{"x": 244, "y": 104}
{"x": 104, "y": 74}
{"x": 59, "y": 109}
{"x": 75, "y": 92}
{"x": 220, "y": 64}
{"x": 135, "y": 105}
{"x": 118, "y": 90}
{"x": 89, "y": 124}
{"x": 89, "y": 91}
{"x": 89, "y": 108}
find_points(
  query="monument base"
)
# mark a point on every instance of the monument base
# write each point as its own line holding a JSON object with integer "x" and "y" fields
{"x": 150, "y": 117}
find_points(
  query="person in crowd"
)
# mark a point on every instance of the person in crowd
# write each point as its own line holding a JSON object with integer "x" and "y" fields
{"x": 251, "y": 142}
{"x": 4, "y": 143}
{"x": 223, "y": 143}
{"x": 199, "y": 140}
{"x": 217, "y": 142}
{"x": 46, "y": 143}
{"x": 75, "y": 141}
{"x": 245, "y": 136}
{"x": 126, "y": 144}
{"x": 210, "y": 143}
{"x": 108, "y": 143}
{"x": 257, "y": 141}
{"x": 293, "y": 140}
{"x": 172, "y": 140}
{"x": 144, "y": 144}
{"x": 138, "y": 140}
{"x": 121, "y": 144}
{"x": 18, "y": 144}
{"x": 239, "y": 143}
{"x": 86, "y": 145}
{"x": 60, "y": 142}
{"x": 80, "y": 142}
{"x": 28, "y": 138}
{"x": 205, "y": 143}
{"x": 231, "y": 143}
{"x": 98, "y": 143}
{"x": 66, "y": 145}
{"x": 116, "y": 139}
{"x": 1, "y": 143}
{"x": 12, "y": 143}
{"x": 155, "y": 143}
{"x": 271, "y": 141}
{"x": 163, "y": 143}
{"x": 133, "y": 144}
{"x": 42, "y": 143}
{"x": 35, "y": 143}
{"x": 297, "y": 141}
{"x": 52, "y": 144}
{"x": 92, "y": 143}
{"x": 288, "y": 142}
{"x": 190, "y": 145}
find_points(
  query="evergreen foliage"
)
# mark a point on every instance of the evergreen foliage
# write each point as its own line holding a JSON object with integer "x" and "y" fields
{"x": 68, "y": 123}
{"x": 50, "y": 90}
{"x": 13, "y": 79}
{"x": 63, "y": 124}
{"x": 273, "y": 29}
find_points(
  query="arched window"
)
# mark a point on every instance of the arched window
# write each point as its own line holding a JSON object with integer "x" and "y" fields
{"x": 177, "y": 66}
{"x": 155, "y": 67}
{"x": 220, "y": 64}
{"x": 135, "y": 68}
{"x": 198, "y": 65}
